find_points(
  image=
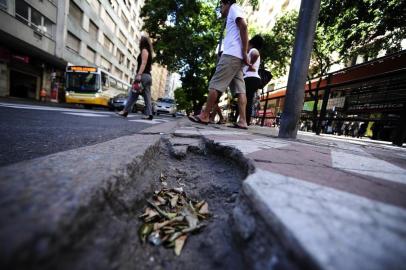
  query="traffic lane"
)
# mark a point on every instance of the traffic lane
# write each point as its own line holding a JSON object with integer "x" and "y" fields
{"x": 28, "y": 133}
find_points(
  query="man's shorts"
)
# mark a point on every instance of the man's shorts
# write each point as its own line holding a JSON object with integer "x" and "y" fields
{"x": 228, "y": 73}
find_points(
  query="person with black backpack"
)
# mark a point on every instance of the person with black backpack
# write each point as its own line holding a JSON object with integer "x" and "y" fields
{"x": 251, "y": 77}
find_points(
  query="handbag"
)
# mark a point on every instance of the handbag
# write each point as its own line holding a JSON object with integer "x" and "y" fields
{"x": 137, "y": 87}
{"x": 266, "y": 77}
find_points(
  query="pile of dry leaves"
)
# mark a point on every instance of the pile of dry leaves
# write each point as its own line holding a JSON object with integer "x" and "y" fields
{"x": 170, "y": 217}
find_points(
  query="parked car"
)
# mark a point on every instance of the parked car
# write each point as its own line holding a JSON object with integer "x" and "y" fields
{"x": 118, "y": 103}
{"x": 165, "y": 106}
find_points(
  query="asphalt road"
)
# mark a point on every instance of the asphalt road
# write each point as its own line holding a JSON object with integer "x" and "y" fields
{"x": 29, "y": 131}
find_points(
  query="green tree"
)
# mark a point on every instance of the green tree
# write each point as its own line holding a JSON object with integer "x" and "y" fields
{"x": 185, "y": 35}
{"x": 277, "y": 51}
{"x": 279, "y": 47}
{"x": 365, "y": 26}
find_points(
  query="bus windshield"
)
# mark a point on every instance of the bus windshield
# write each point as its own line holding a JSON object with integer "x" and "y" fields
{"x": 82, "y": 82}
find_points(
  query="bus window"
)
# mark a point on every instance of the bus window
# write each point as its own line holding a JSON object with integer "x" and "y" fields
{"x": 119, "y": 86}
{"x": 82, "y": 82}
{"x": 104, "y": 79}
{"x": 113, "y": 83}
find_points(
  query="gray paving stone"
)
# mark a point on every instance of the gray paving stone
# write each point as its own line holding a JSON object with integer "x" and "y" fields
{"x": 340, "y": 230}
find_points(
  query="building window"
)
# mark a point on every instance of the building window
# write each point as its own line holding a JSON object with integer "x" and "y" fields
{"x": 75, "y": 12}
{"x": 120, "y": 56}
{"x": 95, "y": 4}
{"x": 3, "y": 4}
{"x": 93, "y": 30}
{"x": 34, "y": 19}
{"x": 90, "y": 55}
{"x": 109, "y": 22}
{"x": 48, "y": 26}
{"x": 107, "y": 44}
{"x": 72, "y": 42}
{"x": 128, "y": 63}
{"x": 117, "y": 72}
{"x": 22, "y": 11}
{"x": 132, "y": 32}
{"x": 114, "y": 4}
{"x": 106, "y": 64}
{"x": 125, "y": 20}
{"x": 121, "y": 37}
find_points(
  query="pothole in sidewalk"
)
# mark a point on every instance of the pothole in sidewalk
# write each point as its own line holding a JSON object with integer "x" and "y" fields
{"x": 113, "y": 242}
{"x": 207, "y": 178}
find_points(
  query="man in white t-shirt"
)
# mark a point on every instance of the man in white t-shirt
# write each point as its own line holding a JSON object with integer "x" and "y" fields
{"x": 229, "y": 68}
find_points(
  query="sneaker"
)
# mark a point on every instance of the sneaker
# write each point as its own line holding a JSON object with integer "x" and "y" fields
{"x": 122, "y": 113}
{"x": 148, "y": 117}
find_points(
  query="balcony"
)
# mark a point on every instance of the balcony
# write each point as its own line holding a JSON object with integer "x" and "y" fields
{"x": 22, "y": 30}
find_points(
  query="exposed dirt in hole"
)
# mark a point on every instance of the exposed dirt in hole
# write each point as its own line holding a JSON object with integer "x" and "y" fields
{"x": 112, "y": 242}
{"x": 203, "y": 177}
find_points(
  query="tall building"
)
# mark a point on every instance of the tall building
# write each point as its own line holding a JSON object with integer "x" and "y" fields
{"x": 159, "y": 77}
{"x": 38, "y": 38}
{"x": 172, "y": 83}
{"x": 264, "y": 16}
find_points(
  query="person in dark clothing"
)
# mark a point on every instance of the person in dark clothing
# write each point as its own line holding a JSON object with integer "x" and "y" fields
{"x": 251, "y": 77}
{"x": 143, "y": 75}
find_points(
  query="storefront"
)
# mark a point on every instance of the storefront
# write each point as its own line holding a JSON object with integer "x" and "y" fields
{"x": 23, "y": 74}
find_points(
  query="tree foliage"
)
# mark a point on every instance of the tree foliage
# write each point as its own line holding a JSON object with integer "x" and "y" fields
{"x": 365, "y": 26}
{"x": 185, "y": 35}
{"x": 277, "y": 50}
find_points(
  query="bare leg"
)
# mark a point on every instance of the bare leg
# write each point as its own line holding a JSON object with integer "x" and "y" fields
{"x": 211, "y": 100}
{"x": 242, "y": 103}
{"x": 219, "y": 112}
{"x": 214, "y": 112}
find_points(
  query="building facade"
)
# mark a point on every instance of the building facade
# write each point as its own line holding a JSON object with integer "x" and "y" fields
{"x": 265, "y": 15}
{"x": 172, "y": 83}
{"x": 38, "y": 38}
{"x": 159, "y": 77}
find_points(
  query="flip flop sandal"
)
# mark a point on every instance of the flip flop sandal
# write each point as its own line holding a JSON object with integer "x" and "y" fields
{"x": 196, "y": 119}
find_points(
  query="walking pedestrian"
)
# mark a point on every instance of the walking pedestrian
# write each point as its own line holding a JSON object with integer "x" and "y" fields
{"x": 251, "y": 77}
{"x": 143, "y": 76}
{"x": 229, "y": 68}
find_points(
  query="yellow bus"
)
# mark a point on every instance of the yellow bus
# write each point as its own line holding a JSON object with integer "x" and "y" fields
{"x": 92, "y": 86}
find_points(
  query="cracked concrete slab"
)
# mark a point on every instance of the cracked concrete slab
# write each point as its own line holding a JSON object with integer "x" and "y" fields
{"x": 340, "y": 230}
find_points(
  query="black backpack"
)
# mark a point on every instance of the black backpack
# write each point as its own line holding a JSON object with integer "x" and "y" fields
{"x": 266, "y": 77}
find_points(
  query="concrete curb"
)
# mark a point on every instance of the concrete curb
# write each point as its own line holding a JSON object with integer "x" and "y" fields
{"x": 45, "y": 202}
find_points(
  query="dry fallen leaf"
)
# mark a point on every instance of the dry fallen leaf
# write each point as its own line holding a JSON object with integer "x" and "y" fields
{"x": 179, "y": 243}
{"x": 174, "y": 201}
{"x": 204, "y": 210}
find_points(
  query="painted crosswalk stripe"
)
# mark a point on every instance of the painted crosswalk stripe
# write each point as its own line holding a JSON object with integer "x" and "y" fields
{"x": 86, "y": 114}
{"x": 368, "y": 166}
{"x": 152, "y": 122}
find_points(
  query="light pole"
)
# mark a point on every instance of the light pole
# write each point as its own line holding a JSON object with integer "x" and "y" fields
{"x": 305, "y": 31}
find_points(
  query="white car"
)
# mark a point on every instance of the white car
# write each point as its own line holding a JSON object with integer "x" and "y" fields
{"x": 165, "y": 105}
